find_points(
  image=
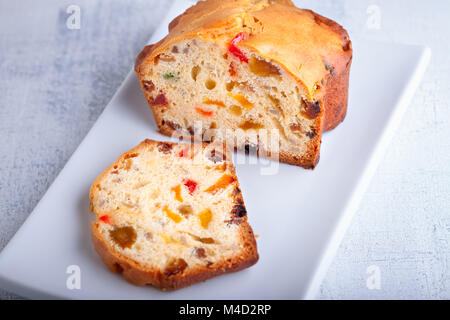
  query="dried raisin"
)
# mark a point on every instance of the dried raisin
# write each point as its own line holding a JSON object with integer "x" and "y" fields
{"x": 238, "y": 211}
{"x": 175, "y": 267}
{"x": 216, "y": 156}
{"x": 164, "y": 147}
{"x": 160, "y": 100}
{"x": 172, "y": 125}
{"x": 148, "y": 85}
{"x": 311, "y": 109}
{"x": 185, "y": 209}
{"x": 200, "y": 253}
{"x": 125, "y": 237}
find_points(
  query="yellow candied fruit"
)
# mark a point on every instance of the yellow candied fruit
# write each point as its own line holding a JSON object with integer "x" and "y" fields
{"x": 214, "y": 102}
{"x": 203, "y": 240}
{"x": 222, "y": 183}
{"x": 230, "y": 85}
{"x": 205, "y": 218}
{"x": 177, "y": 190}
{"x": 166, "y": 239}
{"x": 263, "y": 68}
{"x": 185, "y": 209}
{"x": 169, "y": 240}
{"x": 194, "y": 72}
{"x": 235, "y": 110}
{"x": 242, "y": 100}
{"x": 210, "y": 84}
{"x": 172, "y": 215}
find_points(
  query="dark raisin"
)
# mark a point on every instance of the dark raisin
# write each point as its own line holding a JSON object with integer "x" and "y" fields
{"x": 164, "y": 57}
{"x": 185, "y": 209}
{"x": 311, "y": 134}
{"x": 175, "y": 267}
{"x": 191, "y": 130}
{"x": 251, "y": 149}
{"x": 125, "y": 237}
{"x": 202, "y": 240}
{"x": 173, "y": 125}
{"x": 175, "y": 49}
{"x": 295, "y": 127}
{"x": 237, "y": 191}
{"x": 207, "y": 240}
{"x": 160, "y": 100}
{"x": 216, "y": 156}
{"x": 312, "y": 109}
{"x": 233, "y": 221}
{"x": 149, "y": 236}
{"x": 131, "y": 155}
{"x": 117, "y": 268}
{"x": 347, "y": 44}
{"x": 148, "y": 85}
{"x": 232, "y": 70}
{"x": 209, "y": 264}
{"x": 238, "y": 211}
{"x": 164, "y": 147}
{"x": 200, "y": 253}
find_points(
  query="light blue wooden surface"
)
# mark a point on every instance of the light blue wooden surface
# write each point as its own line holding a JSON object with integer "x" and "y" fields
{"x": 54, "y": 83}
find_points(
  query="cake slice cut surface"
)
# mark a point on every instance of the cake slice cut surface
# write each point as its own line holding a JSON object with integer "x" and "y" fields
{"x": 250, "y": 69}
{"x": 171, "y": 214}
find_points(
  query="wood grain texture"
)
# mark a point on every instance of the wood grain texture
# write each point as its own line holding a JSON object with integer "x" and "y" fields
{"x": 55, "y": 82}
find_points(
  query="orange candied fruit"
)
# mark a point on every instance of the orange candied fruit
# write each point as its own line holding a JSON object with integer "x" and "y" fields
{"x": 205, "y": 113}
{"x": 205, "y": 218}
{"x": 214, "y": 102}
{"x": 172, "y": 215}
{"x": 243, "y": 101}
{"x": 249, "y": 124}
{"x": 177, "y": 190}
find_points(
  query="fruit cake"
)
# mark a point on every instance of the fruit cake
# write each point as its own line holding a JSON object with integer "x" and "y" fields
{"x": 240, "y": 67}
{"x": 171, "y": 214}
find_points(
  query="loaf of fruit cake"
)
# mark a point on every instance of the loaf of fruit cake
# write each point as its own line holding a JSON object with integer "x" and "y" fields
{"x": 243, "y": 66}
{"x": 171, "y": 214}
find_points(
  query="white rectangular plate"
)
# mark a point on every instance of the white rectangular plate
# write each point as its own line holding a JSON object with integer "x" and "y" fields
{"x": 300, "y": 215}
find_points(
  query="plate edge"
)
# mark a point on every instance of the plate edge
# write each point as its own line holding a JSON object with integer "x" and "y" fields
{"x": 369, "y": 171}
